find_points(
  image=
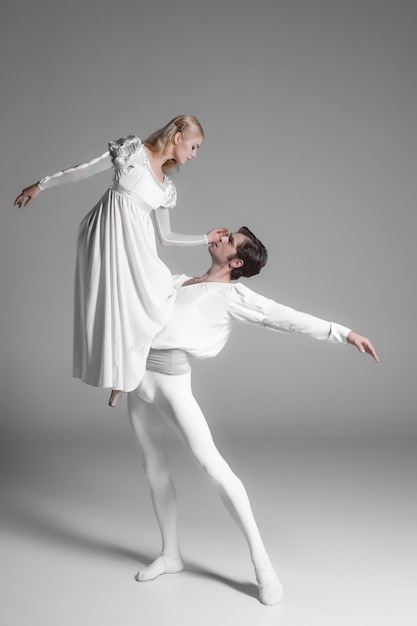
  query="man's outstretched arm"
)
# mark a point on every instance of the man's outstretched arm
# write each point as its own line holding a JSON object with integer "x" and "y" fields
{"x": 248, "y": 306}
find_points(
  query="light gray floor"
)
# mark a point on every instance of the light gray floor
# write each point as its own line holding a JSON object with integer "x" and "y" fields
{"x": 338, "y": 516}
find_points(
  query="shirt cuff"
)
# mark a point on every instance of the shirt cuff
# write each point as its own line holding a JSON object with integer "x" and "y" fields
{"x": 338, "y": 332}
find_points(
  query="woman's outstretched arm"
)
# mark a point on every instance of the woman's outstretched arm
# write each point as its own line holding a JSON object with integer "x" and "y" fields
{"x": 72, "y": 174}
{"x": 169, "y": 238}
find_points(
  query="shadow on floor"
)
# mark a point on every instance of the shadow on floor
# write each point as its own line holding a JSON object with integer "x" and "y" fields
{"x": 55, "y": 532}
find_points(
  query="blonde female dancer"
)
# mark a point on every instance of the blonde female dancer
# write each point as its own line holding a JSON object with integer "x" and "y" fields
{"x": 123, "y": 291}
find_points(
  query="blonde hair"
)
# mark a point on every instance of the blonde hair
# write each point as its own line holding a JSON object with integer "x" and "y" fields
{"x": 159, "y": 140}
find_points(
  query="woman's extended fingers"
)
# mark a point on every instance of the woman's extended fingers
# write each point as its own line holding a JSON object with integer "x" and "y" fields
{"x": 214, "y": 235}
{"x": 19, "y": 200}
{"x": 30, "y": 193}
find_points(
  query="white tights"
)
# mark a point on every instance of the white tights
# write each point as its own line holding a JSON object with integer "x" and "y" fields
{"x": 171, "y": 397}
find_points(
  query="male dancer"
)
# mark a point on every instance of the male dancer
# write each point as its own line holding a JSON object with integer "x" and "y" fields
{"x": 204, "y": 312}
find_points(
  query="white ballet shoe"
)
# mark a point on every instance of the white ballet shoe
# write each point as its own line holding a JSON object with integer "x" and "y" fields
{"x": 164, "y": 564}
{"x": 270, "y": 588}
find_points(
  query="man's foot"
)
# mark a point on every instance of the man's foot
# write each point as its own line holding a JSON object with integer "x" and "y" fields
{"x": 270, "y": 588}
{"x": 164, "y": 564}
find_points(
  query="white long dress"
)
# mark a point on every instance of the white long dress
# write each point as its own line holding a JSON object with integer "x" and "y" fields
{"x": 123, "y": 291}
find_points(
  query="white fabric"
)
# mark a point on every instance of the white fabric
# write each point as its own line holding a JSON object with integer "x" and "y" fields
{"x": 200, "y": 324}
{"x": 169, "y": 238}
{"x": 204, "y": 313}
{"x": 77, "y": 172}
{"x": 171, "y": 397}
{"x": 123, "y": 291}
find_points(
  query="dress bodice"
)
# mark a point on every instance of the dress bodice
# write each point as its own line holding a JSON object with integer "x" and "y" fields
{"x": 133, "y": 171}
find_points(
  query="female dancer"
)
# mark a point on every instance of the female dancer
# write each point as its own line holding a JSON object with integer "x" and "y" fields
{"x": 122, "y": 289}
{"x": 205, "y": 310}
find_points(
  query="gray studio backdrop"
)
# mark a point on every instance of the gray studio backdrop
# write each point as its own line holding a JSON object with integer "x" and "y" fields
{"x": 309, "y": 111}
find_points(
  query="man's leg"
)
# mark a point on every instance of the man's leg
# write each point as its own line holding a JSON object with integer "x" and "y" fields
{"x": 173, "y": 397}
{"x": 146, "y": 423}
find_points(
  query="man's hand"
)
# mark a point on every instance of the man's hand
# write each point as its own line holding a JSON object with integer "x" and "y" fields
{"x": 363, "y": 344}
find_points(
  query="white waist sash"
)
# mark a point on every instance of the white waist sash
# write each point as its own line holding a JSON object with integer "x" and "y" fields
{"x": 130, "y": 194}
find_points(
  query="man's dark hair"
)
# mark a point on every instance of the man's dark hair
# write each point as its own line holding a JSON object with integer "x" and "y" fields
{"x": 253, "y": 254}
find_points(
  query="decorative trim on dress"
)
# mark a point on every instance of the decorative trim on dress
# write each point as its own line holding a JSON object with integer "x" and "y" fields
{"x": 122, "y": 149}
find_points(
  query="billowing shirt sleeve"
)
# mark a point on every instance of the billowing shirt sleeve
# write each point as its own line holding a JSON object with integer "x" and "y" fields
{"x": 78, "y": 172}
{"x": 248, "y": 306}
{"x": 169, "y": 238}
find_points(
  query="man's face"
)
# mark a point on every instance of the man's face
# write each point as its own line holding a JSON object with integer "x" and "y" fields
{"x": 226, "y": 248}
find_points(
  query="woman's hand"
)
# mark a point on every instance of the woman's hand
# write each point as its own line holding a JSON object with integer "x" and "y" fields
{"x": 30, "y": 193}
{"x": 362, "y": 344}
{"x": 214, "y": 235}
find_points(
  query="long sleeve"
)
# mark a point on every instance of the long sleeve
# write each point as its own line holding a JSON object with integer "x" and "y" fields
{"x": 169, "y": 238}
{"x": 78, "y": 172}
{"x": 248, "y": 306}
